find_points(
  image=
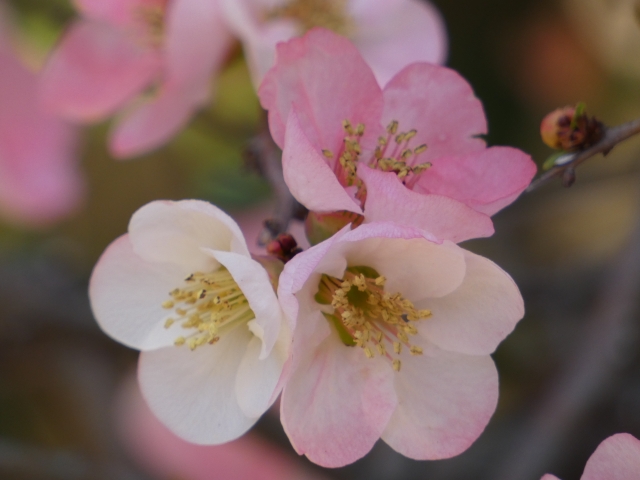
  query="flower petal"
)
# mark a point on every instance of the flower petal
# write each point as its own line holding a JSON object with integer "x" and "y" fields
{"x": 440, "y": 105}
{"x": 193, "y": 392}
{"x": 445, "y": 400}
{"x": 308, "y": 176}
{"x": 176, "y": 232}
{"x": 116, "y": 12}
{"x": 487, "y": 181}
{"x": 389, "y": 200}
{"x": 39, "y": 178}
{"x": 337, "y": 403}
{"x": 197, "y": 42}
{"x": 616, "y": 458}
{"x": 94, "y": 70}
{"x": 257, "y": 383}
{"x": 479, "y": 314}
{"x": 328, "y": 81}
{"x": 127, "y": 293}
{"x": 254, "y": 282}
{"x": 412, "y": 264}
{"x": 150, "y": 123}
{"x": 395, "y": 33}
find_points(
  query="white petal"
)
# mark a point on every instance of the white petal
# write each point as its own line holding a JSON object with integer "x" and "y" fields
{"x": 445, "y": 400}
{"x": 254, "y": 282}
{"x": 257, "y": 383}
{"x": 479, "y": 314}
{"x": 175, "y": 232}
{"x": 193, "y": 392}
{"x": 126, "y": 295}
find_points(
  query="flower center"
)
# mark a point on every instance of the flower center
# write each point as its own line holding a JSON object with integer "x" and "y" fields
{"x": 393, "y": 153}
{"x": 208, "y": 305}
{"x": 368, "y": 317}
{"x": 329, "y": 14}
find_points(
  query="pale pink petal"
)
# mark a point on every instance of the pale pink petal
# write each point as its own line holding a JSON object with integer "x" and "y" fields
{"x": 177, "y": 232}
{"x": 324, "y": 76}
{"x": 337, "y": 403}
{"x": 197, "y": 42}
{"x": 94, "y": 70}
{"x": 395, "y": 33}
{"x": 616, "y": 458}
{"x": 163, "y": 455}
{"x": 549, "y": 477}
{"x": 486, "y": 181}
{"x": 192, "y": 392}
{"x": 127, "y": 293}
{"x": 151, "y": 123}
{"x": 39, "y": 177}
{"x": 445, "y": 401}
{"x": 479, "y": 314}
{"x": 254, "y": 282}
{"x": 257, "y": 380}
{"x": 308, "y": 175}
{"x": 440, "y": 105}
{"x": 413, "y": 265}
{"x": 259, "y": 38}
{"x": 389, "y": 200}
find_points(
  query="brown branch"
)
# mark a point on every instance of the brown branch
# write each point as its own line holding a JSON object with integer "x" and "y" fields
{"x": 611, "y": 137}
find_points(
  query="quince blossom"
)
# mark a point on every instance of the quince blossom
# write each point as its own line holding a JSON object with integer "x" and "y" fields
{"x": 390, "y": 34}
{"x": 405, "y": 153}
{"x": 616, "y": 458}
{"x": 182, "y": 287}
{"x": 393, "y": 338}
{"x": 120, "y": 49}
{"x": 39, "y": 178}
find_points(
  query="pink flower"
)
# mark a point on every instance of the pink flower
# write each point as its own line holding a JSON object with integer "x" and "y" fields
{"x": 616, "y": 458}
{"x": 122, "y": 48}
{"x": 182, "y": 287}
{"x": 390, "y": 34}
{"x": 39, "y": 178}
{"x": 329, "y": 114}
{"x": 392, "y": 340}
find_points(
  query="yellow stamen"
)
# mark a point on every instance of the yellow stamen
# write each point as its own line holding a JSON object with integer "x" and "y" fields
{"x": 329, "y": 14}
{"x": 207, "y": 305}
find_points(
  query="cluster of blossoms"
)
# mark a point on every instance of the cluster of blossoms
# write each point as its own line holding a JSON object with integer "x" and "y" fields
{"x": 385, "y": 326}
{"x": 152, "y": 61}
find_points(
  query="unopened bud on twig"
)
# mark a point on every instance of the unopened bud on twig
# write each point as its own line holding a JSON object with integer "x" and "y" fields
{"x": 570, "y": 129}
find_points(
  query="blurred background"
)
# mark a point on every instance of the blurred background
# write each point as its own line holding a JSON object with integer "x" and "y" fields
{"x": 570, "y": 373}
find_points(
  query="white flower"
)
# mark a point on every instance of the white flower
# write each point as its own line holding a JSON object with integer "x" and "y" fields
{"x": 182, "y": 287}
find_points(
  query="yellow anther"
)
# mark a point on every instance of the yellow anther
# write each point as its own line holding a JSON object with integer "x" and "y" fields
{"x": 415, "y": 350}
{"x": 179, "y": 341}
{"x": 410, "y": 134}
{"x": 420, "y": 149}
{"x": 368, "y": 352}
{"x": 392, "y": 128}
{"x": 327, "y": 153}
{"x": 168, "y": 322}
{"x": 167, "y": 304}
{"x": 360, "y": 129}
{"x": 397, "y": 347}
{"x": 396, "y": 365}
{"x": 381, "y": 280}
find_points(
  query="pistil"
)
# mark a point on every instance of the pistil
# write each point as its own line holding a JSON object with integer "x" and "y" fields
{"x": 207, "y": 305}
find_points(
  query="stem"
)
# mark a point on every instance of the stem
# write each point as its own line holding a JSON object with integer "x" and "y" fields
{"x": 612, "y": 136}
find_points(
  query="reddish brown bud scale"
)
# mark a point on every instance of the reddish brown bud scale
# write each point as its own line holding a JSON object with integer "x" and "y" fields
{"x": 568, "y": 130}
{"x": 284, "y": 247}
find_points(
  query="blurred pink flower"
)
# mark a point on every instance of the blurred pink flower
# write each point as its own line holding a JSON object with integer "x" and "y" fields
{"x": 425, "y": 317}
{"x": 182, "y": 287}
{"x": 390, "y": 34}
{"x": 616, "y": 458}
{"x": 122, "y": 48}
{"x": 327, "y": 111}
{"x": 39, "y": 178}
{"x": 163, "y": 454}
{"x": 170, "y": 49}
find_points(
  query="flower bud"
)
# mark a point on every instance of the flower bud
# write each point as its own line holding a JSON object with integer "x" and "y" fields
{"x": 570, "y": 129}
